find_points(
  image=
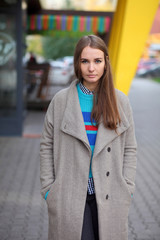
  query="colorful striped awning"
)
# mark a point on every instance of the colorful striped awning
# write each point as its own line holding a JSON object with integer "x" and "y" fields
{"x": 93, "y": 24}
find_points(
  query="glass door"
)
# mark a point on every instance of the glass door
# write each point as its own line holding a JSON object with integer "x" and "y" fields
{"x": 8, "y": 71}
{"x": 11, "y": 79}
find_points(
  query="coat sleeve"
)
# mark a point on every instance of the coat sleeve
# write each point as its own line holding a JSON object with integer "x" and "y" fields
{"x": 130, "y": 151}
{"x": 47, "y": 175}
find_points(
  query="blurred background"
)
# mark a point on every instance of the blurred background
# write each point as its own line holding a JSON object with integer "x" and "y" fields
{"x": 37, "y": 41}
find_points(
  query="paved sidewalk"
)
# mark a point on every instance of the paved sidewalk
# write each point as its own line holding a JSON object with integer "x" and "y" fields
{"x": 23, "y": 213}
{"x": 144, "y": 218}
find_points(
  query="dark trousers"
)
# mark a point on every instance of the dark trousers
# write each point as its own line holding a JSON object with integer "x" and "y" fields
{"x": 90, "y": 221}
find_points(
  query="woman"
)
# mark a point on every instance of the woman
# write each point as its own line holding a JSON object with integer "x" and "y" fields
{"x": 88, "y": 152}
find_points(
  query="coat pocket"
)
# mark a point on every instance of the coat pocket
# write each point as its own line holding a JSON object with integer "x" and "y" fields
{"x": 50, "y": 192}
{"x": 127, "y": 189}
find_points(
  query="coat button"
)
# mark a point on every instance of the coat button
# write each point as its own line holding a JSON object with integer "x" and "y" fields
{"x": 108, "y": 149}
{"x": 107, "y": 174}
{"x": 107, "y": 197}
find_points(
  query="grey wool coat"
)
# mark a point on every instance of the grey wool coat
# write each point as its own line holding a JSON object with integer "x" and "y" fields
{"x": 65, "y": 162}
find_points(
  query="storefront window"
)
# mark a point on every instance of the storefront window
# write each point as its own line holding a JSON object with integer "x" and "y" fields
{"x": 8, "y": 73}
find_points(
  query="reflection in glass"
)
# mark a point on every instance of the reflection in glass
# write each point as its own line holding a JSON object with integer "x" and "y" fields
{"x": 8, "y": 74}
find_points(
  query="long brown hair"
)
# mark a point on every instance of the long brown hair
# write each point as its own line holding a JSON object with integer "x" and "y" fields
{"x": 105, "y": 104}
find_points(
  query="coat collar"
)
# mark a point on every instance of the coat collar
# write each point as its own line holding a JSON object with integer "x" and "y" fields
{"x": 73, "y": 123}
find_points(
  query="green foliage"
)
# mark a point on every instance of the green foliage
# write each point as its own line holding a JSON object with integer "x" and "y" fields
{"x": 34, "y": 44}
{"x": 60, "y": 43}
{"x": 157, "y": 79}
{"x": 54, "y": 44}
{"x": 55, "y": 47}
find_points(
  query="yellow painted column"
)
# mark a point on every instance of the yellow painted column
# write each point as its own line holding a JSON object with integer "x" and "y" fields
{"x": 131, "y": 25}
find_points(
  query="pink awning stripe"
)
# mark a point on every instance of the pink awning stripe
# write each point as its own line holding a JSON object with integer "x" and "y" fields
{"x": 81, "y": 24}
{"x": 58, "y": 22}
{"x": 107, "y": 24}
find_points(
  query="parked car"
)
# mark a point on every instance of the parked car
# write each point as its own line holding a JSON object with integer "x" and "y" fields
{"x": 148, "y": 68}
{"x": 61, "y": 71}
{"x": 68, "y": 60}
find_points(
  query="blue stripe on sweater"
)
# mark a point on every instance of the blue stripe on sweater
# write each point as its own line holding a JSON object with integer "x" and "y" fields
{"x": 87, "y": 117}
{"x": 91, "y": 138}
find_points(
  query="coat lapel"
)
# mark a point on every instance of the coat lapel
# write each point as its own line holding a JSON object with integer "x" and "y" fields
{"x": 72, "y": 122}
{"x": 106, "y": 136}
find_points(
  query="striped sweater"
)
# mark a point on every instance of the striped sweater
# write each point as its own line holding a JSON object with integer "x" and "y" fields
{"x": 86, "y": 104}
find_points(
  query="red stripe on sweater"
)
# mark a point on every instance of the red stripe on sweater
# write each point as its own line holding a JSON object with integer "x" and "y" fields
{"x": 92, "y": 128}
